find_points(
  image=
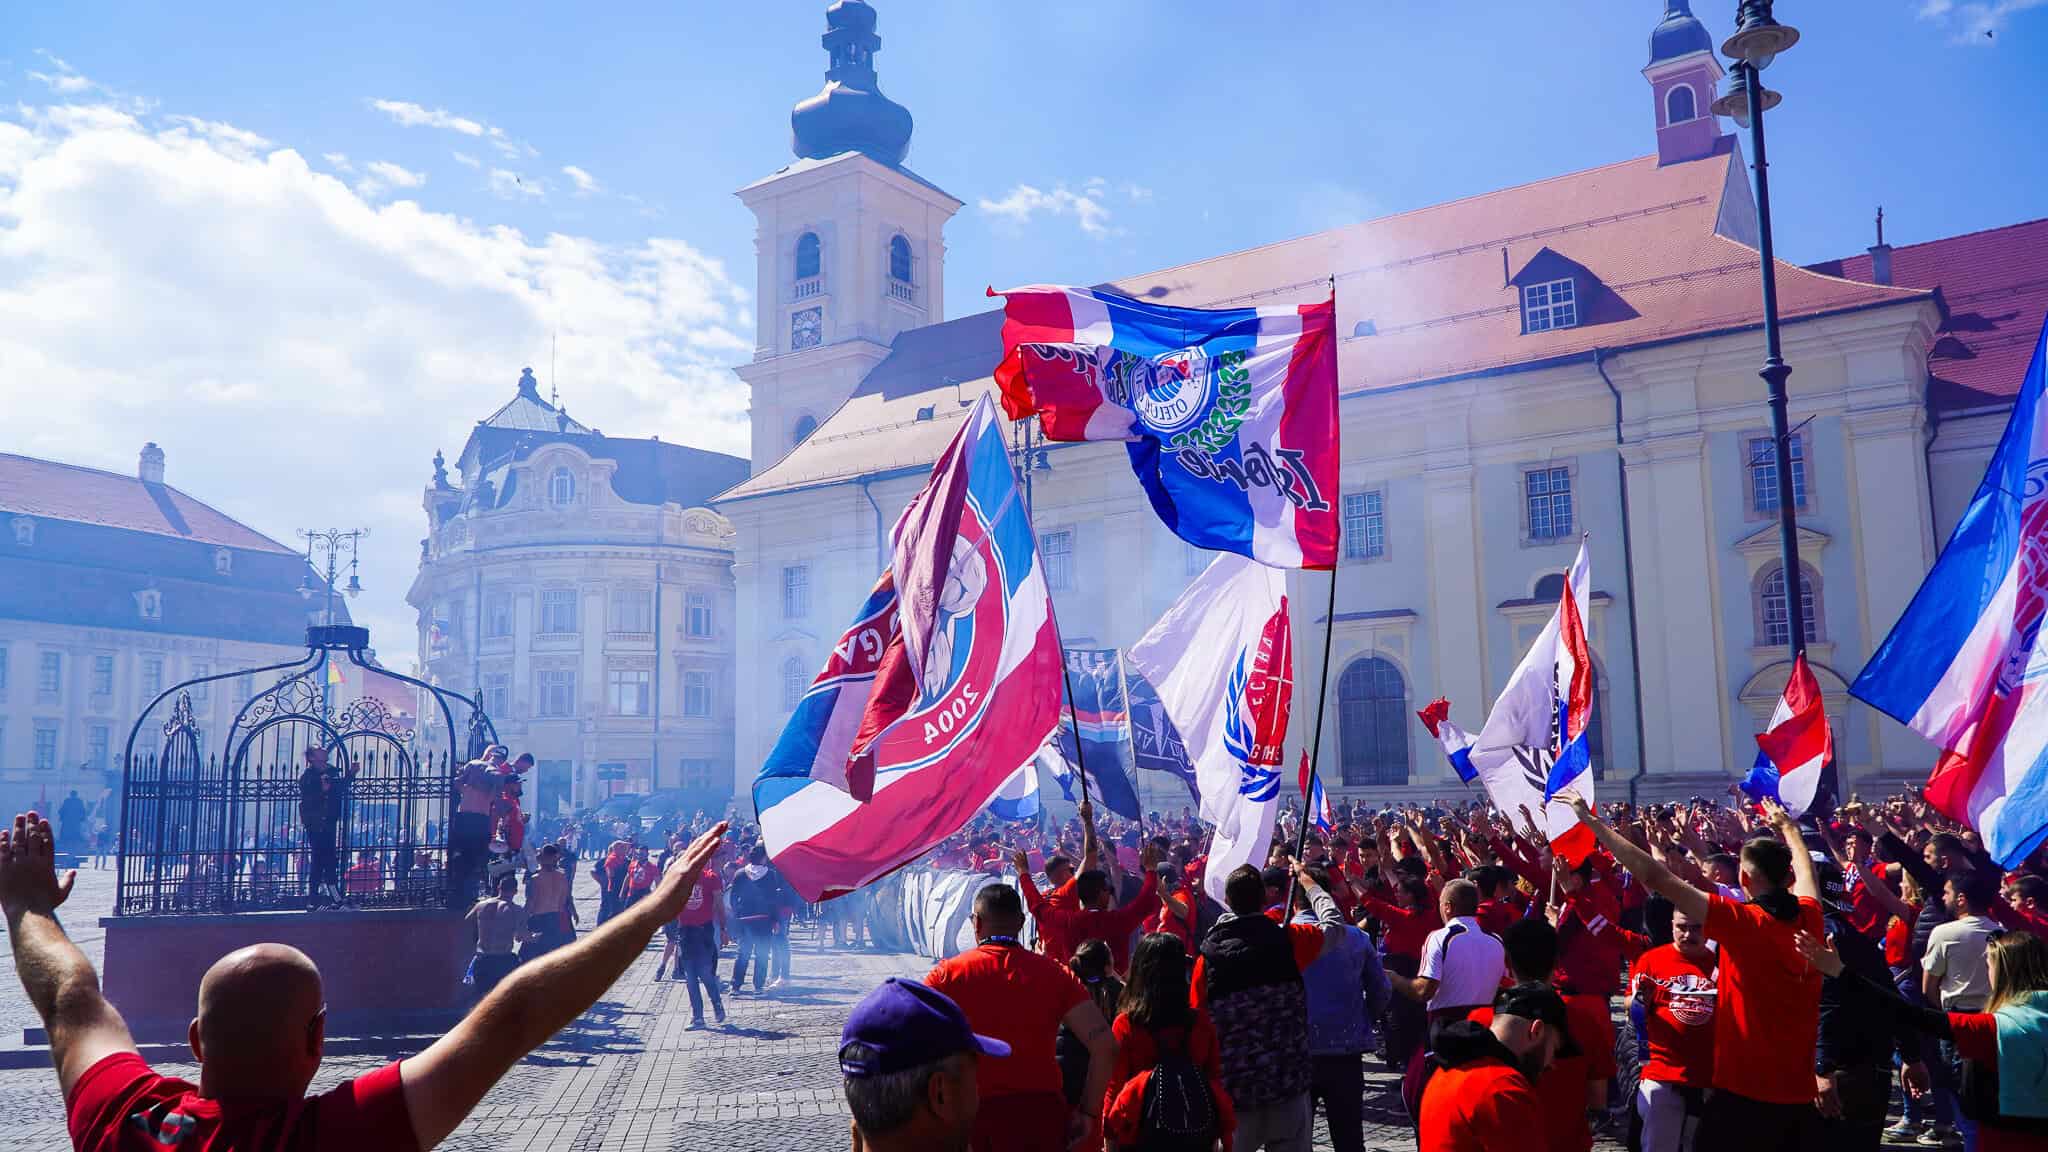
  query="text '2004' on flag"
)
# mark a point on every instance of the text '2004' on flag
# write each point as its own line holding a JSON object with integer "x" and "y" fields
{"x": 1966, "y": 665}
{"x": 1229, "y": 414}
{"x": 938, "y": 695}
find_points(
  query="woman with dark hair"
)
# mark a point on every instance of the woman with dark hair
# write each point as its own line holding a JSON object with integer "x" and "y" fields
{"x": 2004, "y": 1049}
{"x": 1166, "y": 1089}
{"x": 1091, "y": 966}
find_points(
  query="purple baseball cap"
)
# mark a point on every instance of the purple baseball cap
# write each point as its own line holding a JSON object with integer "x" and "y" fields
{"x": 906, "y": 1024}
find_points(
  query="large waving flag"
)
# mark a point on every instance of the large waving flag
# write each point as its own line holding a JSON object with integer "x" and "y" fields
{"x": 1534, "y": 745}
{"x": 1793, "y": 751}
{"x": 1456, "y": 741}
{"x": 1230, "y": 413}
{"x": 1314, "y": 800}
{"x": 1097, "y": 679}
{"x": 1222, "y": 660}
{"x": 1965, "y": 666}
{"x": 985, "y": 697}
{"x": 1156, "y": 745}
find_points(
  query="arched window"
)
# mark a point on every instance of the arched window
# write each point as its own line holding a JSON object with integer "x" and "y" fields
{"x": 1773, "y": 621}
{"x": 1372, "y": 714}
{"x": 793, "y": 682}
{"x": 1549, "y": 588}
{"x": 1679, "y": 105}
{"x": 805, "y": 425}
{"x": 899, "y": 259}
{"x": 809, "y": 256}
{"x": 562, "y": 488}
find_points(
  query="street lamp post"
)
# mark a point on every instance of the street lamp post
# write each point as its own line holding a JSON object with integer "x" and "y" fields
{"x": 332, "y": 544}
{"x": 1757, "y": 41}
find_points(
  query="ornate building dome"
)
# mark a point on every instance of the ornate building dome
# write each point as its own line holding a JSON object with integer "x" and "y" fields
{"x": 850, "y": 114}
{"x": 1680, "y": 33}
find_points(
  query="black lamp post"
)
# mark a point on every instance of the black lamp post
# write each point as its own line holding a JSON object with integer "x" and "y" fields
{"x": 333, "y": 543}
{"x": 1757, "y": 41}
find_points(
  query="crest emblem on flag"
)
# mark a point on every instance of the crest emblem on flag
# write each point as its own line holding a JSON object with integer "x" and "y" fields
{"x": 1261, "y": 696}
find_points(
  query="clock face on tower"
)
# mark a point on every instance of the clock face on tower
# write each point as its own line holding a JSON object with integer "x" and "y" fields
{"x": 806, "y": 328}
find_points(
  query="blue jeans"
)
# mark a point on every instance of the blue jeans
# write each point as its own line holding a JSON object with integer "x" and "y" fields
{"x": 757, "y": 945}
{"x": 778, "y": 951}
{"x": 697, "y": 956}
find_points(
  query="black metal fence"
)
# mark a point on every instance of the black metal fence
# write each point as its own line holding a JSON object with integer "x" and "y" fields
{"x": 227, "y": 833}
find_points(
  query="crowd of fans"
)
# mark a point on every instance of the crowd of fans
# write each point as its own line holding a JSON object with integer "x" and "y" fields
{"x": 1711, "y": 976}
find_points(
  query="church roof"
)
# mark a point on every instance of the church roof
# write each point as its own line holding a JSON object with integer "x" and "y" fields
{"x": 1680, "y": 33}
{"x": 649, "y": 471}
{"x": 527, "y": 412}
{"x": 1422, "y": 296}
{"x": 53, "y": 490}
{"x": 1994, "y": 293}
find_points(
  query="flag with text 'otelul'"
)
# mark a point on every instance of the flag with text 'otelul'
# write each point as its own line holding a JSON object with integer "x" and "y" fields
{"x": 1534, "y": 746}
{"x": 1222, "y": 659}
{"x": 1229, "y": 414}
{"x": 1965, "y": 666}
{"x": 939, "y": 733}
{"x": 1456, "y": 741}
{"x": 1794, "y": 750}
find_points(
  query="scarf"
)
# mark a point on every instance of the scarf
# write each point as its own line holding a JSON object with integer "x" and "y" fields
{"x": 2023, "y": 1057}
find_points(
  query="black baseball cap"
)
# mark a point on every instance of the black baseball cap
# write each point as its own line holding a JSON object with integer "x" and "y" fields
{"x": 1535, "y": 1000}
{"x": 906, "y": 1024}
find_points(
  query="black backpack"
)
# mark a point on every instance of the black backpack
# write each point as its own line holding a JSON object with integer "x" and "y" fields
{"x": 1178, "y": 1111}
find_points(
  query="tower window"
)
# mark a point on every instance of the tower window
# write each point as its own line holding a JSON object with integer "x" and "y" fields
{"x": 810, "y": 260}
{"x": 1680, "y": 105}
{"x": 1552, "y": 304}
{"x": 805, "y": 425}
{"x": 899, "y": 259}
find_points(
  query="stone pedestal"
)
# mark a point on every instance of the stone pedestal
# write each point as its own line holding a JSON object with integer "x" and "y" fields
{"x": 385, "y": 972}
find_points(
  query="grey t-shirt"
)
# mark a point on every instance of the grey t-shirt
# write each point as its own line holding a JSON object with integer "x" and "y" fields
{"x": 1955, "y": 955}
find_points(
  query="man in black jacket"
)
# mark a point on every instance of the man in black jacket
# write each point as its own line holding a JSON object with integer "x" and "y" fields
{"x": 1853, "y": 1056}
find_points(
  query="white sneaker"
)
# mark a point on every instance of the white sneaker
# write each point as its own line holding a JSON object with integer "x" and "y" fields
{"x": 775, "y": 983}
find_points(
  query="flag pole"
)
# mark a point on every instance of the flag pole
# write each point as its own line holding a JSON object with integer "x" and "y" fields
{"x": 1074, "y": 720}
{"x": 1315, "y": 749}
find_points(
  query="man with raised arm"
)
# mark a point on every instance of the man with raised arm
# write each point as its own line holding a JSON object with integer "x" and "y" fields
{"x": 262, "y": 1025}
{"x": 1769, "y": 1012}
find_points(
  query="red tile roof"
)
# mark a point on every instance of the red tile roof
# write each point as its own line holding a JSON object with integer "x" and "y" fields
{"x": 58, "y": 491}
{"x": 1994, "y": 293}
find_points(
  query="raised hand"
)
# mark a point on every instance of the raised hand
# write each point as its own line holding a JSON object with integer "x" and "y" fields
{"x": 685, "y": 870}
{"x": 28, "y": 868}
{"x": 1021, "y": 860}
{"x": 1579, "y": 807}
{"x": 1775, "y": 813}
{"x": 1819, "y": 952}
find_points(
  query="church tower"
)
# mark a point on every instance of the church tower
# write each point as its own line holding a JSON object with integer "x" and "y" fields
{"x": 1683, "y": 75}
{"x": 849, "y": 244}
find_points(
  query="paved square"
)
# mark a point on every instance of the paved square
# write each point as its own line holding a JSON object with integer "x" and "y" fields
{"x": 627, "y": 1075}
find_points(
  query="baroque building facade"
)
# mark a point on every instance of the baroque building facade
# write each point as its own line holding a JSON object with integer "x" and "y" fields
{"x": 578, "y": 585}
{"x": 1573, "y": 357}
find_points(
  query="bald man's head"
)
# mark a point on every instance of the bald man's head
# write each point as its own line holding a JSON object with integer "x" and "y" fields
{"x": 261, "y": 1023}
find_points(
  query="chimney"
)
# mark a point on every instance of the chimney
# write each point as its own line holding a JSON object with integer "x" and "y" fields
{"x": 150, "y": 470}
{"x": 1880, "y": 254}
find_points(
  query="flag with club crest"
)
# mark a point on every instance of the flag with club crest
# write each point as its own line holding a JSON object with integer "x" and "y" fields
{"x": 1222, "y": 660}
{"x": 1229, "y": 414}
{"x": 943, "y": 728}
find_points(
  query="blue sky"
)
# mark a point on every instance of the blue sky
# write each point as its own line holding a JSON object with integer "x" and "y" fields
{"x": 229, "y": 221}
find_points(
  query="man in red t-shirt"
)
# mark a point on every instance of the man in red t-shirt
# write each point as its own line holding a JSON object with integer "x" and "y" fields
{"x": 1768, "y": 1018}
{"x": 1575, "y": 1083}
{"x": 695, "y": 933}
{"x": 262, "y": 1024}
{"x": 1094, "y": 919}
{"x": 1021, "y": 998}
{"x": 1671, "y": 1001}
{"x": 1478, "y": 1097}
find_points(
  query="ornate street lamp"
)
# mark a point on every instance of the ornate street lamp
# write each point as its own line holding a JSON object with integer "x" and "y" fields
{"x": 1757, "y": 41}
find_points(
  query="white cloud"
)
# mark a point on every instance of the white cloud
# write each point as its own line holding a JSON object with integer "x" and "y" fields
{"x": 382, "y": 175}
{"x": 271, "y": 323}
{"x": 338, "y": 161}
{"x": 409, "y": 115}
{"x": 225, "y": 135}
{"x": 467, "y": 160}
{"x": 585, "y": 183}
{"x": 62, "y": 78}
{"x": 1024, "y": 203}
{"x": 1977, "y": 24}
{"x": 512, "y": 186}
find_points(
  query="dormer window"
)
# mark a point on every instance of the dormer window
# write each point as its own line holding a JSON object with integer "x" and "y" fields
{"x": 149, "y": 604}
{"x": 1680, "y": 105}
{"x": 223, "y": 562}
{"x": 1551, "y": 304}
{"x": 25, "y": 531}
{"x": 562, "y": 488}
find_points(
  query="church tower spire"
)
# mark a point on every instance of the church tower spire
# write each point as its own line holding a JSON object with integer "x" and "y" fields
{"x": 1683, "y": 74}
{"x": 850, "y": 114}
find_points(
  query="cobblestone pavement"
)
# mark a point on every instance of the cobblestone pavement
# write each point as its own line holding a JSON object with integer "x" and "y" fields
{"x": 627, "y": 1075}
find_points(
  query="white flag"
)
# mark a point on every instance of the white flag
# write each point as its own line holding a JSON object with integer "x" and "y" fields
{"x": 1222, "y": 662}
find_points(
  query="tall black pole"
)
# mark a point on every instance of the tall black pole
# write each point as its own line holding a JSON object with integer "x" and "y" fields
{"x": 1774, "y": 372}
{"x": 1315, "y": 748}
{"x": 1026, "y": 444}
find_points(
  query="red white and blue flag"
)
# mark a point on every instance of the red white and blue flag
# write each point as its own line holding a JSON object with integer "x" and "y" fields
{"x": 981, "y": 698}
{"x": 1795, "y": 748}
{"x": 1229, "y": 414}
{"x": 1535, "y": 744}
{"x": 1965, "y": 665}
{"x": 1313, "y": 798}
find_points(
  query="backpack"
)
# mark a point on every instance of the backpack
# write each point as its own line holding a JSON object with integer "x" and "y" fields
{"x": 1179, "y": 1113}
